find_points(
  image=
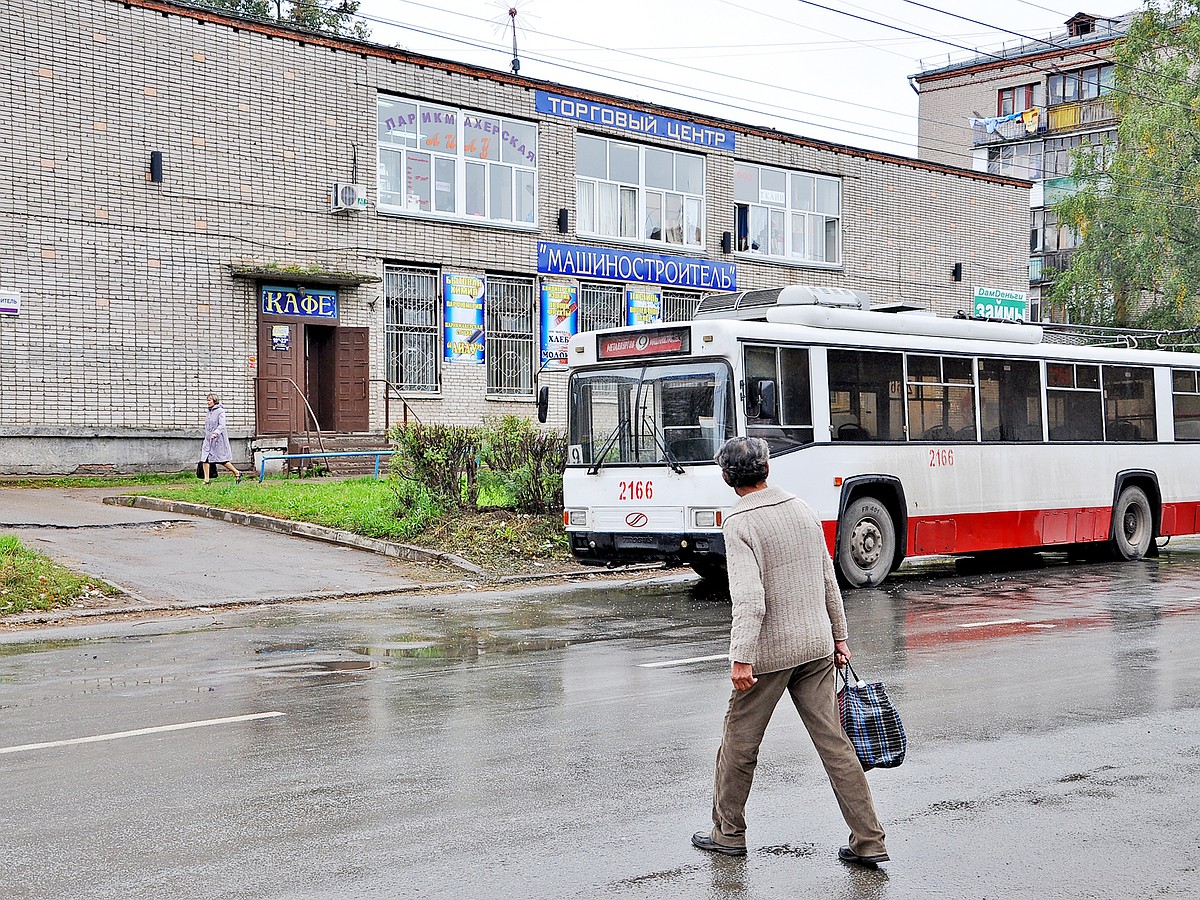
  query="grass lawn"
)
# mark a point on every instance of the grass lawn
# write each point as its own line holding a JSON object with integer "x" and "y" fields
{"x": 393, "y": 509}
{"x": 30, "y": 581}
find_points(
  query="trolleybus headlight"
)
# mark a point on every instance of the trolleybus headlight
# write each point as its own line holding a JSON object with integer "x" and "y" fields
{"x": 575, "y": 517}
{"x": 706, "y": 518}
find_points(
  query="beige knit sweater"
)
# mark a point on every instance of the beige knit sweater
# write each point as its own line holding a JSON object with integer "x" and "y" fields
{"x": 787, "y": 609}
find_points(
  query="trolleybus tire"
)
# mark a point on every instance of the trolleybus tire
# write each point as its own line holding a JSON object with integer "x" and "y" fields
{"x": 1133, "y": 524}
{"x": 710, "y": 569}
{"x": 866, "y": 543}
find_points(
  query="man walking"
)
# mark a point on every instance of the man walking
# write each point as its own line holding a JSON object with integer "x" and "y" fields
{"x": 789, "y": 628}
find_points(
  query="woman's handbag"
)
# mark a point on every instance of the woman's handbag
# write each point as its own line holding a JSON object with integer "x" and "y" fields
{"x": 871, "y": 722}
{"x": 212, "y": 469}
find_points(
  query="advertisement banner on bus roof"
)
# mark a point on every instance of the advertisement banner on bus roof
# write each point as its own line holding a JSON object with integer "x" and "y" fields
{"x": 993, "y": 303}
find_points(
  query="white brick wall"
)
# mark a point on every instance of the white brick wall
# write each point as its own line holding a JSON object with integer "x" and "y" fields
{"x": 130, "y": 314}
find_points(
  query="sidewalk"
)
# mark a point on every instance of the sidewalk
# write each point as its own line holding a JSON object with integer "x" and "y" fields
{"x": 165, "y": 555}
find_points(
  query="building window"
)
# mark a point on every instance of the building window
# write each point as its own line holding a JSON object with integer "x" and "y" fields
{"x": 794, "y": 216}
{"x": 1018, "y": 160}
{"x": 600, "y": 306}
{"x": 1082, "y": 84}
{"x": 444, "y": 161}
{"x": 636, "y": 193}
{"x": 411, "y": 327}
{"x": 1054, "y": 235}
{"x": 1057, "y": 158}
{"x": 1014, "y": 100}
{"x": 679, "y": 306}
{"x": 509, "y": 312}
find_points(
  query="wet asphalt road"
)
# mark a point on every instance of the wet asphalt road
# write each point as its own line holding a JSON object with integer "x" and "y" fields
{"x": 519, "y": 746}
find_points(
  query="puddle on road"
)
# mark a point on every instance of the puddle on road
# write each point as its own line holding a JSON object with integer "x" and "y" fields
{"x": 467, "y": 646}
{"x": 315, "y": 667}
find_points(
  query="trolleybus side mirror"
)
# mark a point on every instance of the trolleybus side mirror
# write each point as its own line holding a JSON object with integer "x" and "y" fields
{"x": 543, "y": 403}
{"x": 766, "y": 399}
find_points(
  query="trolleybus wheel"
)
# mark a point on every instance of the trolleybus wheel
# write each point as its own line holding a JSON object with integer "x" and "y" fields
{"x": 866, "y": 543}
{"x": 1133, "y": 525}
{"x": 710, "y": 569}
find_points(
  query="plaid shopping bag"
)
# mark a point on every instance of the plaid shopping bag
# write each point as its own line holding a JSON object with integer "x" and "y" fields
{"x": 871, "y": 722}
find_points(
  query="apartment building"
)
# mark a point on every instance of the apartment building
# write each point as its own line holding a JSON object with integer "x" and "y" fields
{"x": 1019, "y": 111}
{"x": 331, "y": 233}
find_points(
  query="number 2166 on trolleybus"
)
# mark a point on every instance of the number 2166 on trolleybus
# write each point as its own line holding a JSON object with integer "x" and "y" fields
{"x": 910, "y": 435}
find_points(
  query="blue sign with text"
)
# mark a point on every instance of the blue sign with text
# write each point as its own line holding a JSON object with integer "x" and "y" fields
{"x": 290, "y": 301}
{"x": 576, "y": 261}
{"x": 634, "y": 120}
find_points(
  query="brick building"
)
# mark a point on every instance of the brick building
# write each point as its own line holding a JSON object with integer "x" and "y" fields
{"x": 317, "y": 228}
{"x": 1019, "y": 111}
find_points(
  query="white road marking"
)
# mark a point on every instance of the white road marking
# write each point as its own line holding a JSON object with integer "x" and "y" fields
{"x": 140, "y": 731}
{"x": 996, "y": 622}
{"x": 682, "y": 662}
{"x": 1041, "y": 625}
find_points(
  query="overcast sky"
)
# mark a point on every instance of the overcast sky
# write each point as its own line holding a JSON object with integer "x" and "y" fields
{"x": 794, "y": 65}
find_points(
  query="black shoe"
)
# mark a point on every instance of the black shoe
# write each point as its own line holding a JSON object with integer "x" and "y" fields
{"x": 845, "y": 854}
{"x": 704, "y": 841}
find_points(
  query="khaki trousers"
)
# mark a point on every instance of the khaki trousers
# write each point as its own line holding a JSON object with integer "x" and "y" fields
{"x": 813, "y": 692}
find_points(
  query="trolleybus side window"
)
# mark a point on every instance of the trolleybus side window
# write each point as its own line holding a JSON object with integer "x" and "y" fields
{"x": 1129, "y": 404}
{"x": 1010, "y": 400}
{"x": 941, "y": 398}
{"x": 779, "y": 396}
{"x": 865, "y": 401}
{"x": 1073, "y": 404}
{"x": 1186, "y": 403}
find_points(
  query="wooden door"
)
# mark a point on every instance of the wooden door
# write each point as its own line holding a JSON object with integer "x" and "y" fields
{"x": 352, "y": 352}
{"x": 280, "y": 409}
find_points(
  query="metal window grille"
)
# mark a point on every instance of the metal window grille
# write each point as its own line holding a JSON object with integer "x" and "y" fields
{"x": 509, "y": 314}
{"x": 600, "y": 306}
{"x": 411, "y": 327}
{"x": 679, "y": 306}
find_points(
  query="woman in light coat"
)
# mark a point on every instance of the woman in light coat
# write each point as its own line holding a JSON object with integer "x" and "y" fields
{"x": 216, "y": 441}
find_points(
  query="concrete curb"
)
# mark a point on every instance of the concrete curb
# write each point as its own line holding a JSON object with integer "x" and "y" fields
{"x": 301, "y": 529}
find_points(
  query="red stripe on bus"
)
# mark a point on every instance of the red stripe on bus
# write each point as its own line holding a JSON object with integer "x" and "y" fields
{"x": 1009, "y": 529}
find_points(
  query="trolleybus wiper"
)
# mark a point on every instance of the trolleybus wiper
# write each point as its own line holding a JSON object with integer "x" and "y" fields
{"x": 662, "y": 445}
{"x": 598, "y": 464}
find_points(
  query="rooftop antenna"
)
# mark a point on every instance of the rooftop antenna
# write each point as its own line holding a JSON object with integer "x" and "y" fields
{"x": 507, "y": 22}
{"x": 516, "y": 60}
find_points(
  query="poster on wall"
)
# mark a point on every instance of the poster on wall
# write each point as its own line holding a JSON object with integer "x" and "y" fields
{"x": 560, "y": 320}
{"x": 462, "y": 300}
{"x": 642, "y": 306}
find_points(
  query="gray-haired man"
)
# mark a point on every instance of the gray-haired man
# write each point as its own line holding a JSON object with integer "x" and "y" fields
{"x": 789, "y": 628}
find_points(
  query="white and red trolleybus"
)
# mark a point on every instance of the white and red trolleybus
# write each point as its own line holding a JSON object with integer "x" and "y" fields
{"x": 910, "y": 435}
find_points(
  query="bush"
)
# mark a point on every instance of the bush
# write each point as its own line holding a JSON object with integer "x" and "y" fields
{"x": 527, "y": 461}
{"x": 509, "y": 454}
{"x": 443, "y": 458}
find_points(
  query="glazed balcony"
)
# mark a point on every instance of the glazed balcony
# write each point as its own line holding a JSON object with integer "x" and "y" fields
{"x": 1083, "y": 114}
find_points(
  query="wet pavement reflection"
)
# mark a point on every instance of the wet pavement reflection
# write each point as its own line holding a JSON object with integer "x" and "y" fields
{"x": 560, "y": 742}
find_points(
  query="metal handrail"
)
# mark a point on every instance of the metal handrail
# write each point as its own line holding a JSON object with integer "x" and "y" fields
{"x": 387, "y": 396}
{"x": 378, "y": 454}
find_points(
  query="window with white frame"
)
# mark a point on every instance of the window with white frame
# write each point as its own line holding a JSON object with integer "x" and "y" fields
{"x": 794, "y": 216}
{"x": 444, "y": 161}
{"x": 601, "y": 306}
{"x": 639, "y": 193}
{"x": 1018, "y": 160}
{"x": 509, "y": 310}
{"x": 411, "y": 327}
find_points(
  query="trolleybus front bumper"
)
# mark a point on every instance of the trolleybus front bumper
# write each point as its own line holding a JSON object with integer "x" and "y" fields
{"x": 605, "y": 548}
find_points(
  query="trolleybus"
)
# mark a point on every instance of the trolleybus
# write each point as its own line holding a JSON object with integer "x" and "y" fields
{"x": 909, "y": 434}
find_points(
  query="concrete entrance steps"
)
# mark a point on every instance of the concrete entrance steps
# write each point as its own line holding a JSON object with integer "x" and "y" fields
{"x": 339, "y": 442}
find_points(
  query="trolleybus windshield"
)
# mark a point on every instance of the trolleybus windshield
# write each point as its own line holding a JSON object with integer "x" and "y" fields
{"x": 665, "y": 414}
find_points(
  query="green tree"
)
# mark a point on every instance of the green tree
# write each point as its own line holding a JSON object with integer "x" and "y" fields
{"x": 337, "y": 18}
{"x": 1137, "y": 207}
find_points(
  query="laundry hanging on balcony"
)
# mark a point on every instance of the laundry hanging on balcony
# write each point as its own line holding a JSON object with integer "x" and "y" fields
{"x": 992, "y": 122}
{"x": 1030, "y": 118}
